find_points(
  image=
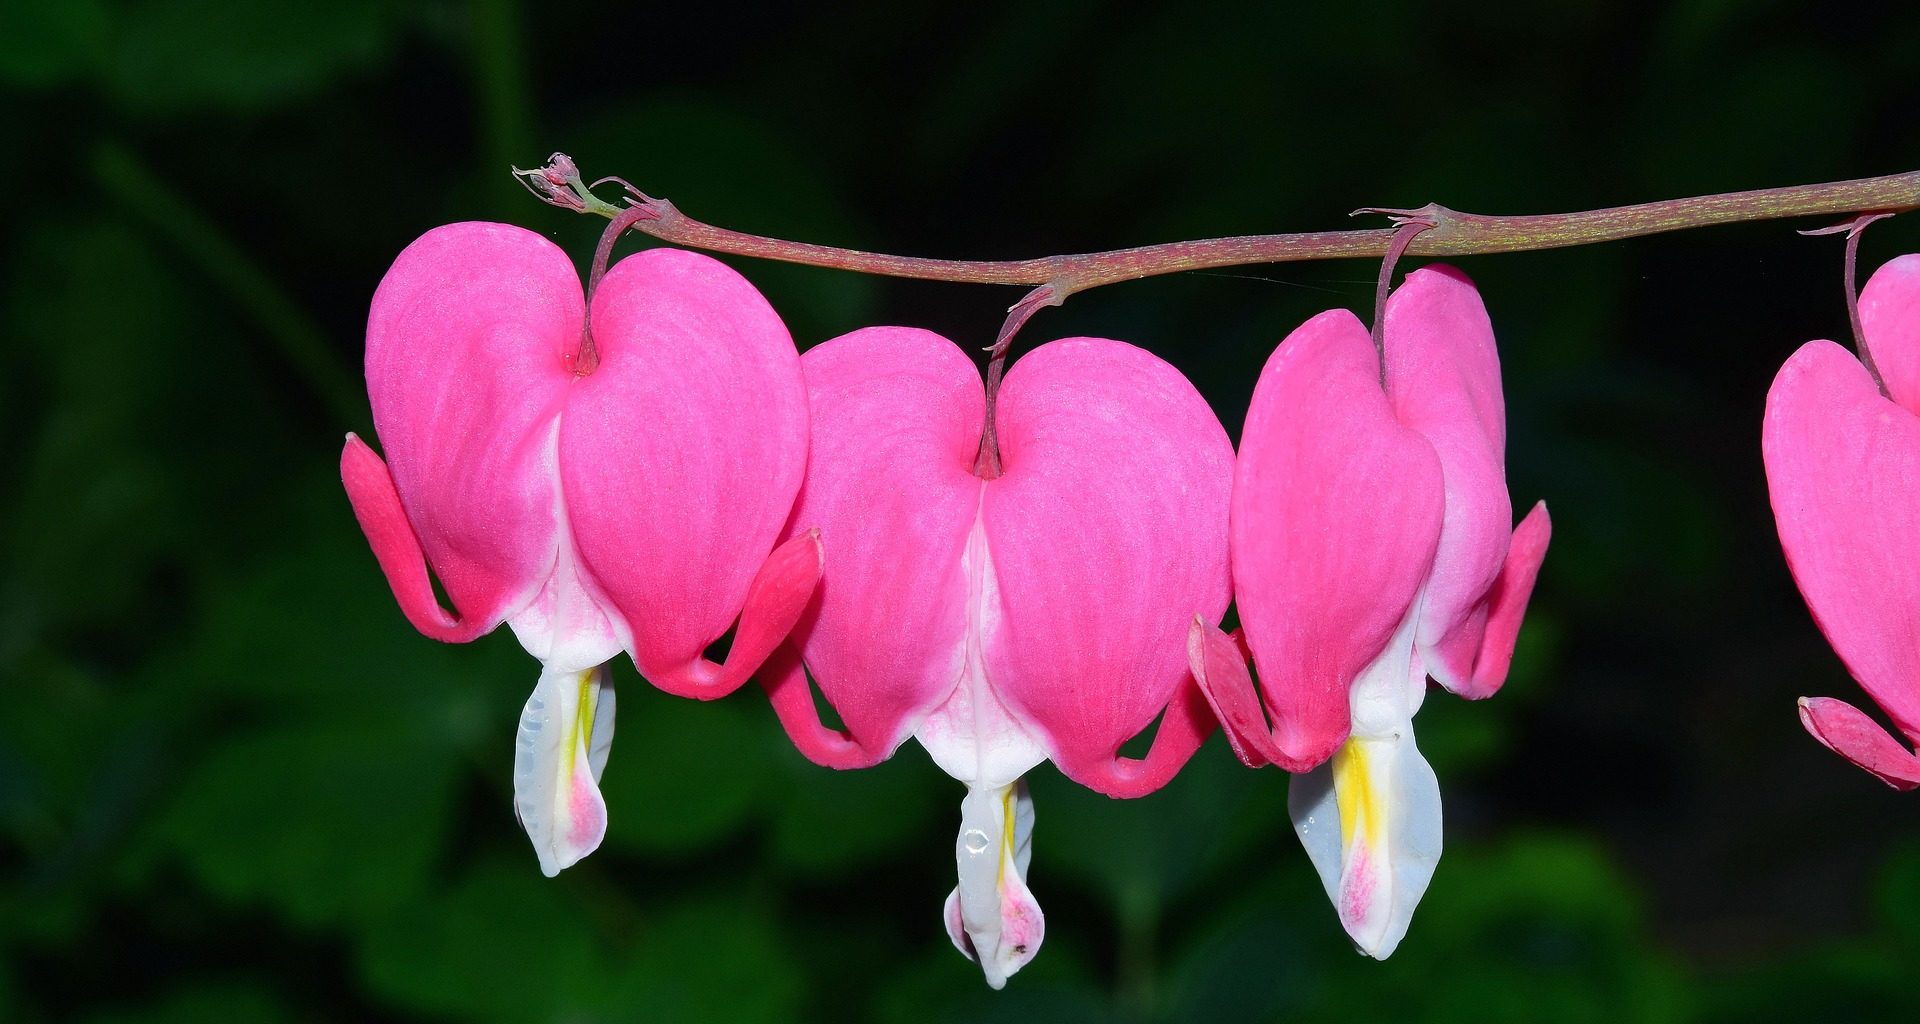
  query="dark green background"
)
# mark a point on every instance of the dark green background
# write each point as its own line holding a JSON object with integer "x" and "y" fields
{"x": 235, "y": 785}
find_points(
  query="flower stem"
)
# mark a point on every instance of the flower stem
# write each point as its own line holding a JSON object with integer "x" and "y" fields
{"x": 986, "y": 465}
{"x": 1453, "y": 233}
{"x": 1431, "y": 230}
{"x": 1850, "y": 289}
{"x": 1407, "y": 229}
{"x": 587, "y": 359}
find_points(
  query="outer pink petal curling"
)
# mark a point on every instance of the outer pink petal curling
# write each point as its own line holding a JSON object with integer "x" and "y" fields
{"x": 1890, "y": 318}
{"x": 1472, "y": 661}
{"x": 784, "y": 677}
{"x": 1219, "y": 666}
{"x": 384, "y": 521}
{"x": 466, "y": 347}
{"x": 1843, "y": 469}
{"x": 1108, "y": 531}
{"x": 1443, "y": 376}
{"x": 680, "y": 458}
{"x": 1847, "y": 731}
{"x": 1336, "y": 516}
{"x": 896, "y": 424}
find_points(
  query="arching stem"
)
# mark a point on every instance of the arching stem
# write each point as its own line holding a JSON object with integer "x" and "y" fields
{"x": 1409, "y": 224}
{"x": 588, "y": 359}
{"x": 1453, "y": 233}
{"x": 986, "y": 465}
{"x": 1850, "y": 287}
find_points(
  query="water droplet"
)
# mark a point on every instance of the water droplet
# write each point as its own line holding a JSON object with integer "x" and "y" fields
{"x": 976, "y": 840}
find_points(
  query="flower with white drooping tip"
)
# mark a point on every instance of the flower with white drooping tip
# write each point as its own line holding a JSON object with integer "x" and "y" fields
{"x": 1373, "y": 546}
{"x": 631, "y": 503}
{"x": 1002, "y": 620}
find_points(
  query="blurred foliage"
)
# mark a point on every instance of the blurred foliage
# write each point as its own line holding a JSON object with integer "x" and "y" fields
{"x": 234, "y": 785}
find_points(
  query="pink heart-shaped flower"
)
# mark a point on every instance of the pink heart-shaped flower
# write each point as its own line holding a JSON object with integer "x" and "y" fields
{"x": 1373, "y": 546}
{"x": 633, "y": 508}
{"x": 1843, "y": 470}
{"x": 1038, "y": 615}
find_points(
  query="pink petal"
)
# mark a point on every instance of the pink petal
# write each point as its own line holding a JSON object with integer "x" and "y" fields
{"x": 1219, "y": 665}
{"x": 384, "y": 521}
{"x": 680, "y": 457}
{"x": 1443, "y": 379}
{"x": 1847, "y": 731}
{"x": 957, "y": 927}
{"x": 1843, "y": 469}
{"x": 1472, "y": 661}
{"x": 896, "y": 424}
{"x": 467, "y": 348}
{"x": 775, "y": 601}
{"x": 1890, "y": 317}
{"x": 1108, "y": 534}
{"x": 784, "y": 678}
{"x": 1337, "y": 511}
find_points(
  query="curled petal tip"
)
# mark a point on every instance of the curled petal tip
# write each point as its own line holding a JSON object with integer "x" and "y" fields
{"x": 1185, "y": 725}
{"x": 1220, "y": 670}
{"x": 1847, "y": 731}
{"x": 382, "y": 517}
{"x": 1507, "y": 603}
{"x": 784, "y": 677}
{"x": 775, "y": 601}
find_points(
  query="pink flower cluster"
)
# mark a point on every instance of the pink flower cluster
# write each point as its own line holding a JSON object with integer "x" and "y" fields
{"x": 702, "y": 477}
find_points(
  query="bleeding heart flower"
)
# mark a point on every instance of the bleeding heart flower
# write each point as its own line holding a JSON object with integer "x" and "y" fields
{"x": 1037, "y": 615}
{"x": 1372, "y": 547}
{"x": 629, "y": 508}
{"x": 1843, "y": 469}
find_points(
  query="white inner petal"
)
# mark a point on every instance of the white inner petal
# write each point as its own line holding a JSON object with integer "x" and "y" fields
{"x": 1390, "y": 690}
{"x": 565, "y": 625}
{"x": 566, "y": 731}
{"x": 1370, "y": 817}
{"x": 972, "y": 736}
{"x": 991, "y": 916}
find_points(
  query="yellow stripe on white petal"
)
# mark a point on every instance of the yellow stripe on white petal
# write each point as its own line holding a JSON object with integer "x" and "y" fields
{"x": 991, "y": 916}
{"x": 565, "y": 734}
{"x": 1370, "y": 821}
